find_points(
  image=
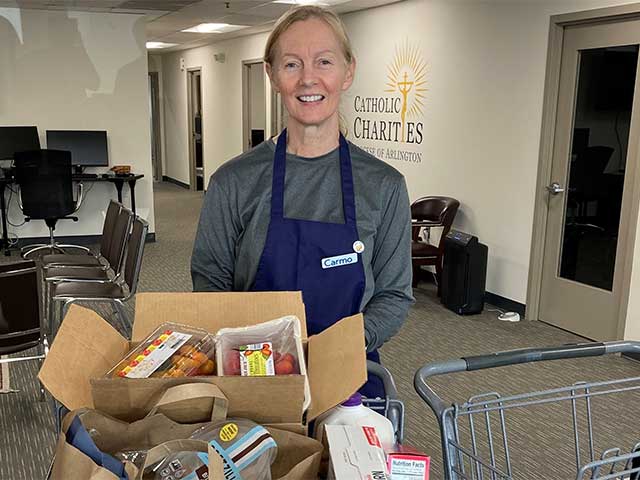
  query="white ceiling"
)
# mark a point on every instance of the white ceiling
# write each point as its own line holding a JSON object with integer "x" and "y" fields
{"x": 168, "y": 17}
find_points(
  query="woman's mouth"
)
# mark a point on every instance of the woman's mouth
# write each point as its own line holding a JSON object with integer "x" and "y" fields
{"x": 310, "y": 98}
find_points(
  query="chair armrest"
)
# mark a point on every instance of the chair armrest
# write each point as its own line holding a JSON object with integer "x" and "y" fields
{"x": 426, "y": 223}
{"x": 77, "y": 280}
{"x": 19, "y": 197}
{"x": 80, "y": 196}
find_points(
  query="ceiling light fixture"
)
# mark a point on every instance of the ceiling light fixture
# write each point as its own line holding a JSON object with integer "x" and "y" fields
{"x": 154, "y": 45}
{"x": 207, "y": 28}
{"x": 298, "y": 2}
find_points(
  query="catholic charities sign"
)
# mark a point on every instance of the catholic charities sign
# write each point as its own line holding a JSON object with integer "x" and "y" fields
{"x": 395, "y": 116}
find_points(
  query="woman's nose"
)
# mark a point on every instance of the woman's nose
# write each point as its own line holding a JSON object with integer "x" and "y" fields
{"x": 308, "y": 76}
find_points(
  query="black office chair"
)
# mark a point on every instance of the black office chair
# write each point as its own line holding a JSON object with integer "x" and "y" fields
{"x": 46, "y": 193}
{"x": 21, "y": 326}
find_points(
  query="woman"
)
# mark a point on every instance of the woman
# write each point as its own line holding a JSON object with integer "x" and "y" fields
{"x": 311, "y": 211}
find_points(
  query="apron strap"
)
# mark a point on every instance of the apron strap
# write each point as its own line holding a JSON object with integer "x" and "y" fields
{"x": 346, "y": 175}
{"x": 277, "y": 184}
{"x": 348, "y": 195}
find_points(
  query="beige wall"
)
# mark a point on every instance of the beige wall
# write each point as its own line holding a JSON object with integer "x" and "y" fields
{"x": 79, "y": 71}
{"x": 221, "y": 100}
{"x": 482, "y": 112}
{"x": 481, "y": 118}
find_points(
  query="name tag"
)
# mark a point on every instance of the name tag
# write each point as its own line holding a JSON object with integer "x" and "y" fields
{"x": 340, "y": 260}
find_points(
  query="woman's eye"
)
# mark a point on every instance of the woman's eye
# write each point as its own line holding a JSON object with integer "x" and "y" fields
{"x": 290, "y": 65}
{"x": 325, "y": 62}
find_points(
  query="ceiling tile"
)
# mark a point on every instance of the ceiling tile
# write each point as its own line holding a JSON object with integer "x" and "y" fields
{"x": 166, "y": 18}
{"x": 242, "y": 19}
{"x": 269, "y": 10}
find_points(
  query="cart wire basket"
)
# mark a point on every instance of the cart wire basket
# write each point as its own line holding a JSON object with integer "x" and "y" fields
{"x": 476, "y": 434}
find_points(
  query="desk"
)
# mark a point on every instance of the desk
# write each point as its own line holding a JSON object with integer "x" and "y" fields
{"x": 117, "y": 180}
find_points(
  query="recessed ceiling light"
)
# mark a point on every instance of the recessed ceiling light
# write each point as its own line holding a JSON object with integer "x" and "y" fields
{"x": 207, "y": 28}
{"x": 298, "y": 2}
{"x": 160, "y": 45}
{"x": 323, "y": 3}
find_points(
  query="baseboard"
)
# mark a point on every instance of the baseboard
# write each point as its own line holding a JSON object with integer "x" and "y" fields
{"x": 175, "y": 182}
{"x": 504, "y": 303}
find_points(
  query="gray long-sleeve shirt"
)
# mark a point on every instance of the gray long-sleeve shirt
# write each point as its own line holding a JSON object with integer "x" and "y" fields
{"x": 236, "y": 211}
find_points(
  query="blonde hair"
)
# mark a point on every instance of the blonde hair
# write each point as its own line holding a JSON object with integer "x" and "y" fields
{"x": 305, "y": 12}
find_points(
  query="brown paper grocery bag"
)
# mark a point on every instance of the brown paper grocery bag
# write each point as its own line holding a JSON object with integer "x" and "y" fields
{"x": 111, "y": 436}
{"x": 192, "y": 403}
{"x": 298, "y": 456}
{"x": 72, "y": 463}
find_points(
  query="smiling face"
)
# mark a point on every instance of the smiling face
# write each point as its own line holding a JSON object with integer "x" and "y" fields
{"x": 310, "y": 71}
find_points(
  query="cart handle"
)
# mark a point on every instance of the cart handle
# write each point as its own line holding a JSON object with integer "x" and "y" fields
{"x": 527, "y": 355}
{"x": 383, "y": 374}
{"x": 513, "y": 357}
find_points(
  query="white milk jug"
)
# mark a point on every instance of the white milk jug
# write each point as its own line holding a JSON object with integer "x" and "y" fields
{"x": 352, "y": 412}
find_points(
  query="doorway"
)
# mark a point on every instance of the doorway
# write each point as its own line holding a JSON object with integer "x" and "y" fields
{"x": 196, "y": 145}
{"x": 154, "y": 109}
{"x": 587, "y": 204}
{"x": 254, "y": 121}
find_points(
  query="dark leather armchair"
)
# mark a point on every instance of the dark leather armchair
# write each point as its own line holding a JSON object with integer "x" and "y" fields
{"x": 428, "y": 212}
{"x": 46, "y": 193}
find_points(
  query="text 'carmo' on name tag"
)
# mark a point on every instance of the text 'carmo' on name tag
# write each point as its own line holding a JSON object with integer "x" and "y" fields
{"x": 340, "y": 260}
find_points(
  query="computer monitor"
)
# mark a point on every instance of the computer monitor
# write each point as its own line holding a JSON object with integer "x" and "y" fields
{"x": 88, "y": 147}
{"x": 17, "y": 139}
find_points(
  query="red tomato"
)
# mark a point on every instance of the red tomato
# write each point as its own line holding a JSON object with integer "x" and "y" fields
{"x": 284, "y": 367}
{"x": 232, "y": 363}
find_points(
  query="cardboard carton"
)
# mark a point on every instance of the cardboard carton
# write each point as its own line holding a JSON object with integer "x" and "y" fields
{"x": 86, "y": 347}
{"x": 355, "y": 453}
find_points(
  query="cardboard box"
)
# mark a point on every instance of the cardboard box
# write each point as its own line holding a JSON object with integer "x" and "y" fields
{"x": 355, "y": 453}
{"x": 86, "y": 347}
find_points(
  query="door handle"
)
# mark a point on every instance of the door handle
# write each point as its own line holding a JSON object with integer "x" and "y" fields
{"x": 554, "y": 188}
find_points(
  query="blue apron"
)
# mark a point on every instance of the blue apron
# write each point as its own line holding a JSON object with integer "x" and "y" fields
{"x": 297, "y": 256}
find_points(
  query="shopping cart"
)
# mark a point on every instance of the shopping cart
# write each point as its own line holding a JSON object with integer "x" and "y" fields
{"x": 475, "y": 437}
{"x": 391, "y": 406}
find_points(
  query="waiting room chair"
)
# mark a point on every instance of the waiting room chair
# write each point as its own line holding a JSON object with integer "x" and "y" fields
{"x": 46, "y": 193}
{"x": 115, "y": 256}
{"x": 428, "y": 212}
{"x": 107, "y": 242}
{"x": 21, "y": 326}
{"x": 113, "y": 292}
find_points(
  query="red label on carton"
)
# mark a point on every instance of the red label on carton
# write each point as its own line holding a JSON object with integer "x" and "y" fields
{"x": 372, "y": 437}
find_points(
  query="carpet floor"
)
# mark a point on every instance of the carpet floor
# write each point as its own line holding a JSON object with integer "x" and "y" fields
{"x": 540, "y": 437}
